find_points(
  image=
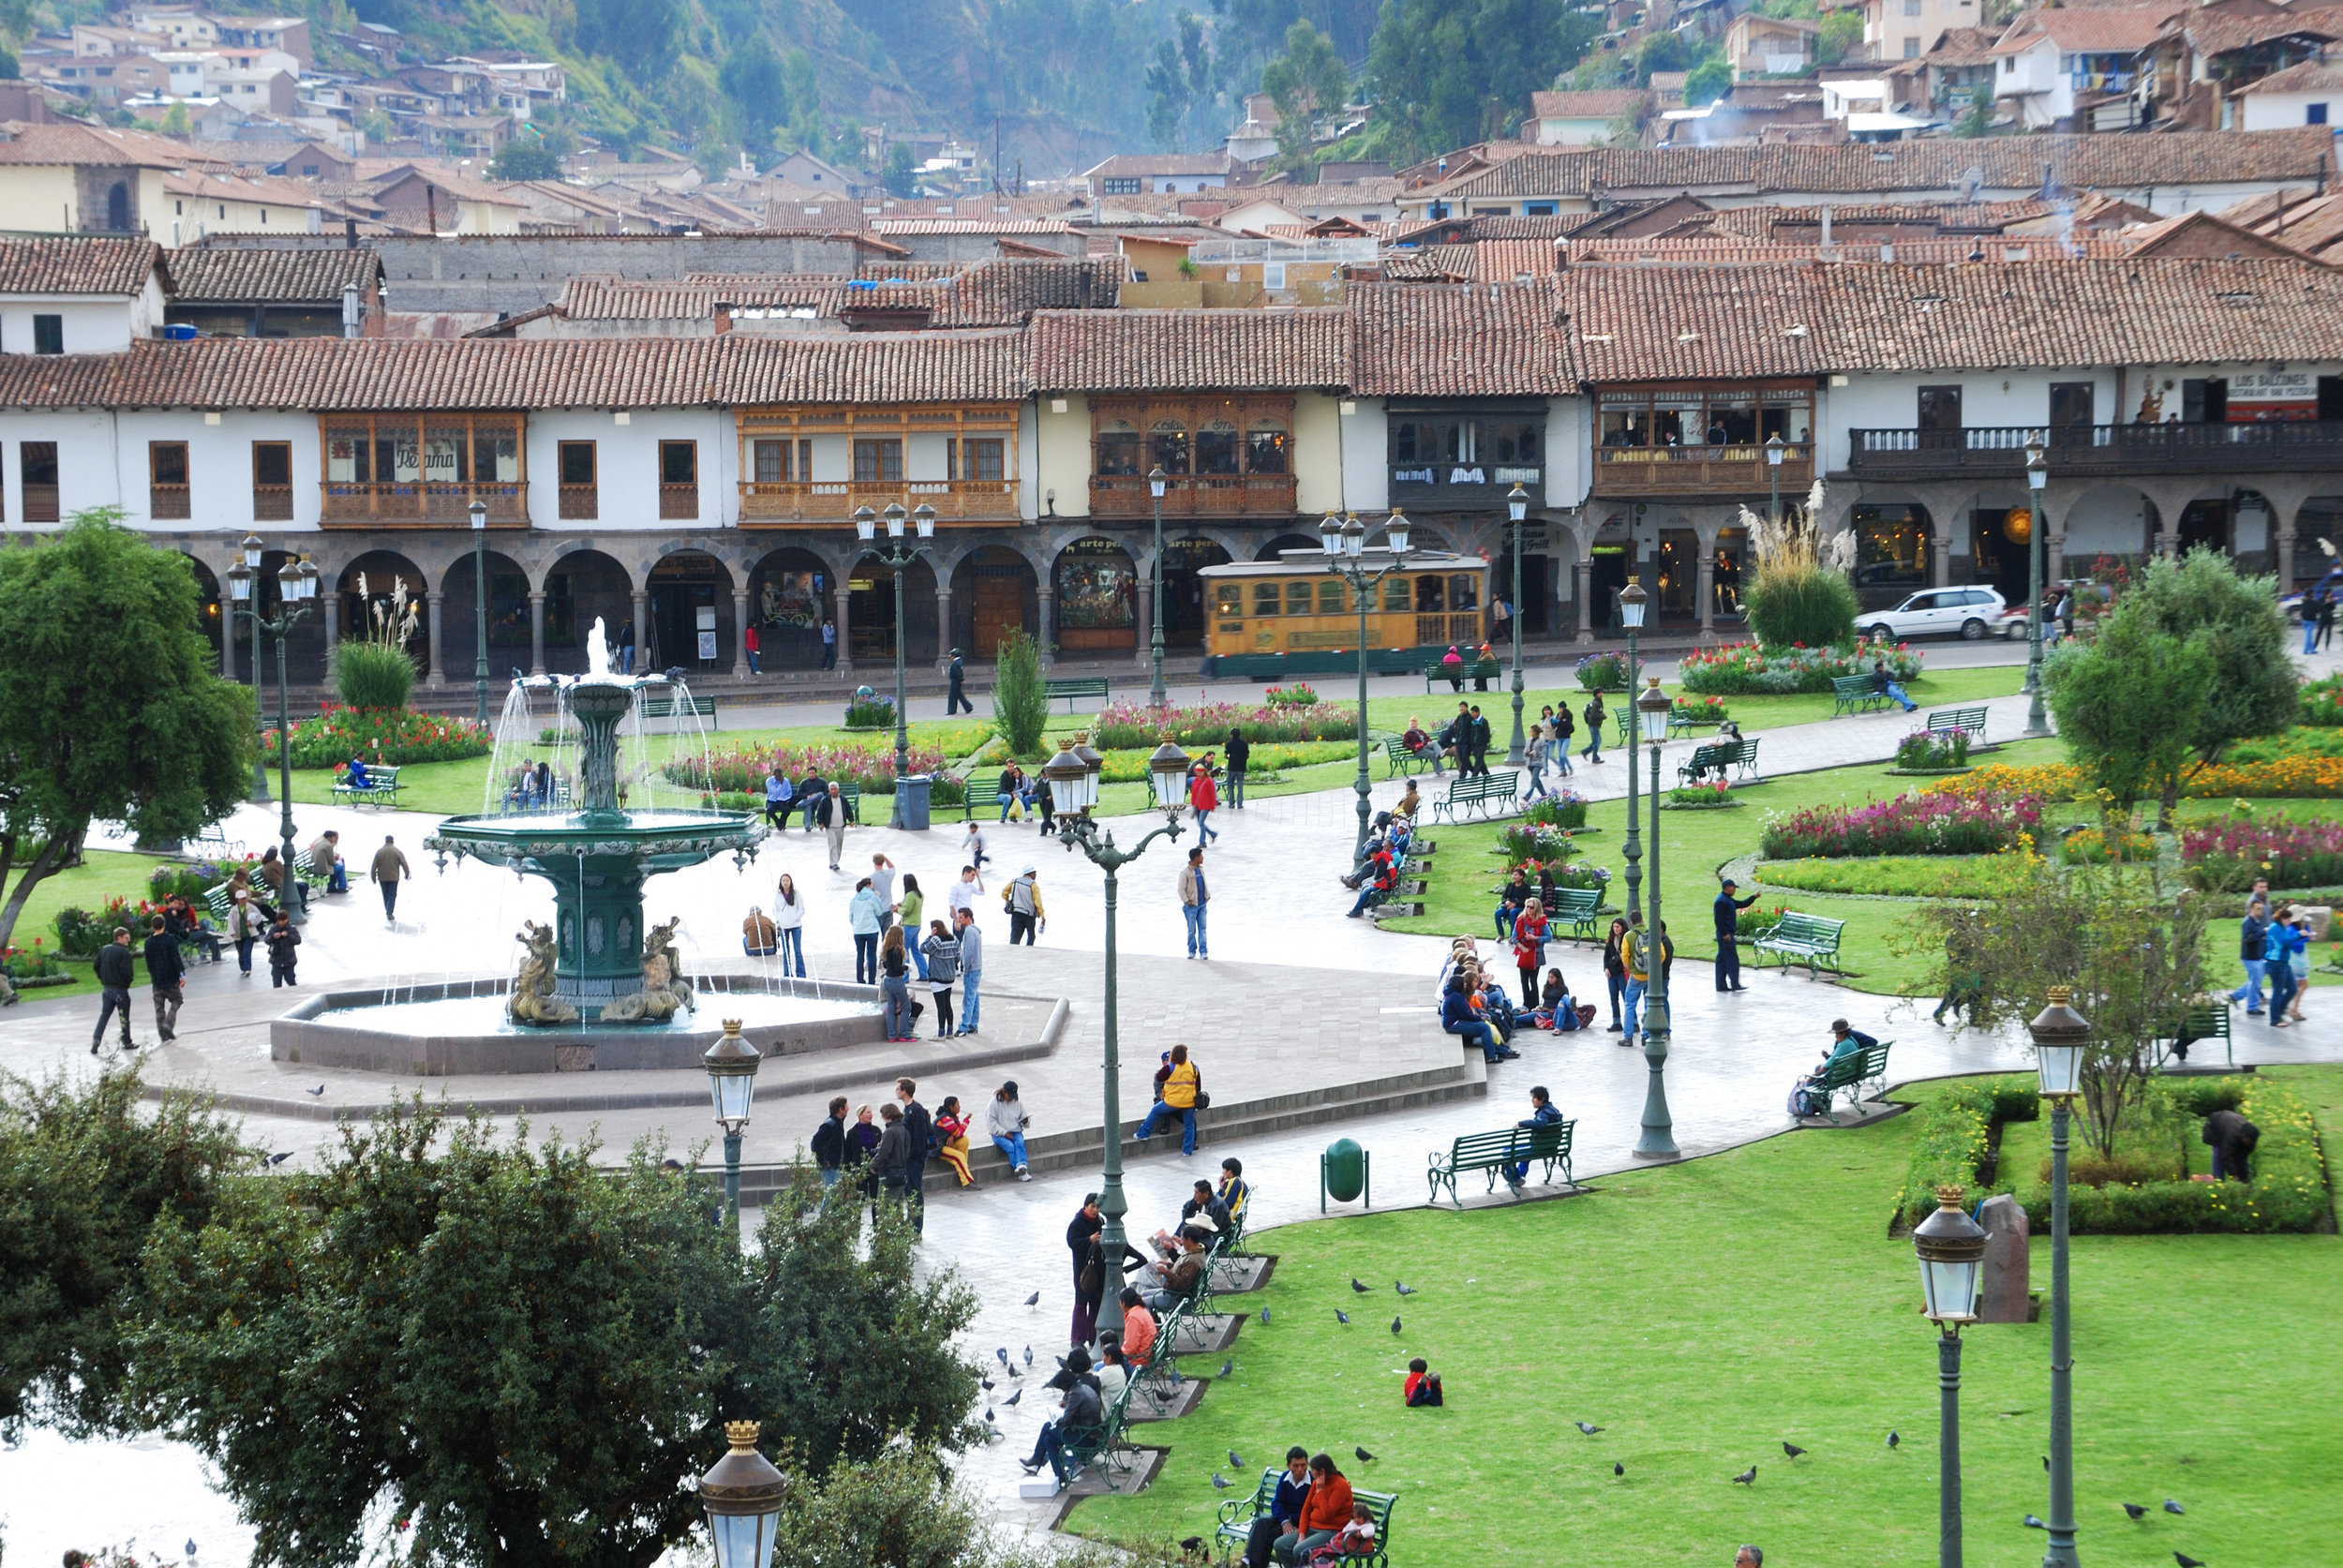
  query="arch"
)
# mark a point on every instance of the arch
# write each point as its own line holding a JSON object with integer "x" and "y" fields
{"x": 1095, "y": 585}
{"x": 1894, "y": 551}
{"x": 211, "y": 612}
{"x": 1296, "y": 542}
{"x": 118, "y": 207}
{"x": 994, "y": 589}
{"x": 392, "y": 583}
{"x": 2113, "y": 520}
{"x": 508, "y": 640}
{"x": 581, "y": 587}
{"x": 681, "y": 586}
{"x": 1997, "y": 522}
{"x": 2319, "y": 516}
{"x": 1184, "y": 614}
{"x": 789, "y": 595}
{"x": 871, "y": 613}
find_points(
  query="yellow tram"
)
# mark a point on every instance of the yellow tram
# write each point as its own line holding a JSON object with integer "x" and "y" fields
{"x": 1292, "y": 617}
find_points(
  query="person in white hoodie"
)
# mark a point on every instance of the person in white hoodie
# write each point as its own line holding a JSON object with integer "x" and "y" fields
{"x": 1006, "y": 1120}
{"x": 789, "y": 925}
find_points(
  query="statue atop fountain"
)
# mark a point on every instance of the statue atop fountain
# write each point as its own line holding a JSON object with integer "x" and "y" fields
{"x": 534, "y": 1000}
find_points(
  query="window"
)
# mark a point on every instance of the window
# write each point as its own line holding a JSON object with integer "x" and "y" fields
{"x": 1464, "y": 593}
{"x": 1299, "y": 600}
{"x": 1398, "y": 598}
{"x": 1266, "y": 599}
{"x": 1330, "y": 596}
{"x": 1911, "y": 46}
{"x": 36, "y": 465}
{"x": 1431, "y": 595}
{"x": 783, "y": 462}
{"x": 1118, "y": 447}
{"x": 680, "y": 479}
{"x": 1113, "y": 186}
{"x": 2072, "y": 403}
{"x": 2315, "y": 115}
{"x": 1227, "y": 598}
{"x": 1538, "y": 209}
{"x": 975, "y": 458}
{"x": 878, "y": 462}
{"x": 1911, "y": 7}
{"x": 166, "y": 480}
{"x": 1940, "y": 416}
{"x": 581, "y": 499}
{"x": 272, "y": 481}
{"x": 434, "y": 467}
{"x": 1521, "y": 443}
{"x": 1217, "y": 448}
{"x": 49, "y": 335}
{"x": 1166, "y": 446}
{"x": 1265, "y": 447}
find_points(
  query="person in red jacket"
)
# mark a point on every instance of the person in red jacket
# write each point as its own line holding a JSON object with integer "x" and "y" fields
{"x": 1422, "y": 1385}
{"x": 1204, "y": 798}
{"x": 1325, "y": 1511}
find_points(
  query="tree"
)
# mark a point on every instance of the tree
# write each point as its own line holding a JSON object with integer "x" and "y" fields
{"x": 2128, "y": 701}
{"x": 1304, "y": 82}
{"x": 1661, "y": 52}
{"x": 642, "y": 36}
{"x": 176, "y": 121}
{"x": 1445, "y": 73}
{"x": 1021, "y": 703}
{"x": 756, "y": 86}
{"x": 526, "y": 160}
{"x": 85, "y": 1171}
{"x": 1978, "y": 120}
{"x": 110, "y": 709}
{"x": 522, "y": 1351}
{"x": 900, "y": 176}
{"x": 1840, "y": 35}
{"x": 1709, "y": 81}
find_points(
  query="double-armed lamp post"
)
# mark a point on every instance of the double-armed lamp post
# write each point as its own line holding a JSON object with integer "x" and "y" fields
{"x": 899, "y": 556}
{"x": 1516, "y": 511}
{"x": 296, "y": 586}
{"x": 1344, "y": 541}
{"x": 1658, "y": 1137}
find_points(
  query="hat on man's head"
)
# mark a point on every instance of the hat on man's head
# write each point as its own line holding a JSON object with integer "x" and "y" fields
{"x": 1730, "y": 883}
{"x": 1029, "y": 870}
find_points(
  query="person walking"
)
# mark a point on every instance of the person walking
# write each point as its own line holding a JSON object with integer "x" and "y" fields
{"x": 895, "y": 986}
{"x": 1005, "y": 1122}
{"x": 829, "y": 644}
{"x": 1240, "y": 758}
{"x": 939, "y": 964}
{"x": 2308, "y": 610}
{"x": 626, "y": 649}
{"x": 2287, "y": 947}
{"x": 1728, "y": 910}
{"x": 1194, "y": 896}
{"x": 865, "y": 915}
{"x": 918, "y": 1140}
{"x": 245, "y": 926}
{"x": 1203, "y": 798}
{"x": 282, "y": 942}
{"x": 829, "y": 1143}
{"x": 390, "y": 868}
{"x": 789, "y": 926}
{"x": 1480, "y": 741}
{"x": 2326, "y": 622}
{"x": 1594, "y": 714}
{"x": 1183, "y": 1096}
{"x": 1529, "y": 933}
{"x": 1534, "y": 754}
{"x": 1081, "y": 1237}
{"x": 749, "y": 644}
{"x": 956, "y": 699}
{"x": 117, "y": 970}
{"x": 2253, "y": 949}
{"x": 908, "y": 912}
{"x": 1022, "y": 900}
{"x": 831, "y": 809}
{"x": 1615, "y": 968}
{"x": 971, "y": 967}
{"x": 1559, "y": 731}
{"x": 778, "y": 791}
{"x": 166, "y": 972}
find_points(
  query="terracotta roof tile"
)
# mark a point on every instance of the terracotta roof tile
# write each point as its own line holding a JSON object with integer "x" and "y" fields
{"x": 1458, "y": 340}
{"x": 1607, "y": 103}
{"x": 311, "y": 277}
{"x": 2088, "y": 29}
{"x": 1234, "y": 351}
{"x": 91, "y": 266}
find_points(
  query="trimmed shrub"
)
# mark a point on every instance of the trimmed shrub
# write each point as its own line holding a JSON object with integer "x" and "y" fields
{"x": 1799, "y": 604}
{"x": 1925, "y": 749}
{"x": 1602, "y": 672}
{"x": 1021, "y": 702}
{"x": 373, "y": 675}
{"x": 871, "y": 714}
{"x": 1745, "y": 669}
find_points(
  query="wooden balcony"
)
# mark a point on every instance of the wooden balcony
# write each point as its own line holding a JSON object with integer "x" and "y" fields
{"x": 1194, "y": 495}
{"x": 2092, "y": 451}
{"x": 271, "y": 503}
{"x": 784, "y": 503}
{"x": 1699, "y": 470}
{"x": 417, "y": 504}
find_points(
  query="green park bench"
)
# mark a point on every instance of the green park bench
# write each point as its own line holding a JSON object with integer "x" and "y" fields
{"x": 380, "y": 789}
{"x": 2198, "y": 1024}
{"x": 851, "y": 794}
{"x": 1740, "y": 755}
{"x": 214, "y": 843}
{"x": 1944, "y": 721}
{"x": 1479, "y": 674}
{"x": 1807, "y": 939}
{"x": 1853, "y": 693}
{"x": 1401, "y": 761}
{"x": 1236, "y": 1527}
{"x": 1075, "y": 686}
{"x": 668, "y": 708}
{"x": 1104, "y": 1446}
{"x": 1483, "y": 794}
{"x": 311, "y": 873}
{"x": 1575, "y": 907}
{"x": 1501, "y": 1151}
{"x": 1851, "y": 1072}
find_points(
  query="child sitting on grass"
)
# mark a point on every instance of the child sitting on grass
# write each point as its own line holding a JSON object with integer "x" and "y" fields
{"x": 1423, "y": 1387}
{"x": 1355, "y": 1539}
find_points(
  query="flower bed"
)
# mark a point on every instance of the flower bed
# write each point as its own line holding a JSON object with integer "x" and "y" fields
{"x": 2226, "y": 854}
{"x": 1541, "y": 842}
{"x": 393, "y": 736}
{"x": 1744, "y": 669}
{"x": 1561, "y": 808}
{"x": 35, "y": 965}
{"x": 1567, "y": 874}
{"x": 1712, "y": 795}
{"x": 2299, "y": 778}
{"x": 80, "y": 933}
{"x": 1927, "y": 751}
{"x": 2052, "y": 781}
{"x": 874, "y": 712}
{"x": 743, "y": 771}
{"x": 1602, "y": 672}
{"x": 1702, "y": 711}
{"x": 1135, "y": 726}
{"x": 2091, "y": 847}
{"x": 1300, "y": 694}
{"x": 2322, "y": 702}
{"x": 1907, "y": 825}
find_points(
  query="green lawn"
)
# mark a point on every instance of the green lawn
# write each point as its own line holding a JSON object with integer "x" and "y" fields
{"x": 103, "y": 874}
{"x": 1706, "y": 1313}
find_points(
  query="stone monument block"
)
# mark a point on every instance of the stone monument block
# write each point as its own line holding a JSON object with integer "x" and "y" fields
{"x": 2003, "y": 1295}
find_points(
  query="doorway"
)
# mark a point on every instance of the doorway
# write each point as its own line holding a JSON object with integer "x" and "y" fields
{"x": 686, "y": 618}
{"x": 1184, "y": 590}
{"x": 1610, "y": 575}
{"x": 2206, "y": 526}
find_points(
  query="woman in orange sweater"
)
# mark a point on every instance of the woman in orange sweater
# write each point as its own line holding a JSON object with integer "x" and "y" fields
{"x": 1324, "y": 1510}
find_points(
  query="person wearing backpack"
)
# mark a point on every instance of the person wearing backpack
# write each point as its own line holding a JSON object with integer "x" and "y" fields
{"x": 1022, "y": 900}
{"x": 919, "y": 1146}
{"x": 1562, "y": 732}
{"x": 1594, "y": 714}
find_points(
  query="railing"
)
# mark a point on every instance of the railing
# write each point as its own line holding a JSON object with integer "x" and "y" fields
{"x": 1194, "y": 495}
{"x": 40, "y": 503}
{"x": 420, "y": 503}
{"x": 770, "y": 502}
{"x": 580, "y": 502}
{"x": 1437, "y": 484}
{"x": 678, "y": 501}
{"x": 2098, "y": 449}
{"x": 1735, "y": 470}
{"x": 271, "y": 503}
{"x": 168, "y": 502}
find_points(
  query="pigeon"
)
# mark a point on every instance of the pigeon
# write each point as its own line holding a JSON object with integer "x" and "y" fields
{"x": 988, "y": 1417}
{"x": 1061, "y": 1364}
{"x": 1013, "y": 1371}
{"x": 1618, "y": 1468}
{"x": 191, "y": 1545}
{"x": 1226, "y": 1369}
{"x": 1264, "y": 1314}
{"x": 1747, "y": 1477}
{"x": 1589, "y": 1431}
{"x": 279, "y": 1159}
{"x": 2032, "y": 1523}
{"x": 1013, "y": 1400}
{"x": 1340, "y": 1315}
{"x": 1792, "y": 1449}
{"x": 1220, "y": 1482}
{"x": 2138, "y": 1511}
{"x": 2172, "y": 1507}
{"x": 1356, "y": 1285}
{"x": 1029, "y": 1355}
{"x": 1236, "y": 1462}
{"x": 1002, "y": 1352}
{"x": 1365, "y": 1457}
{"x": 1192, "y": 1547}
{"x": 2045, "y": 1464}
{"x": 1034, "y": 1300}
{"x": 1893, "y": 1440}
{"x": 1394, "y": 1325}
{"x": 318, "y": 1091}
{"x": 986, "y": 1382}
{"x": 1402, "y": 1289}
{"x": 2186, "y": 1561}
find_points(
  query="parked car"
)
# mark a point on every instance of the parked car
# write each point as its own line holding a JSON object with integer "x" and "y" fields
{"x": 2011, "y": 626}
{"x": 1964, "y": 612}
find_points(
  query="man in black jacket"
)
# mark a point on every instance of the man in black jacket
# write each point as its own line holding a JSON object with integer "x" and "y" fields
{"x": 1077, "y": 1423}
{"x": 829, "y": 1143}
{"x": 956, "y": 702}
{"x": 919, "y": 1139}
{"x": 117, "y": 968}
{"x": 2233, "y": 1140}
{"x": 1479, "y": 742}
{"x": 1728, "y": 909}
{"x": 166, "y": 971}
{"x": 1240, "y": 755}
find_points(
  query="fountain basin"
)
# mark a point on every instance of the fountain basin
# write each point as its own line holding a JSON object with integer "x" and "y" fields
{"x": 442, "y": 1030}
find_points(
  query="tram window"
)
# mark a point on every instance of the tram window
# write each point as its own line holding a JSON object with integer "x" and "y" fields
{"x": 1397, "y": 598}
{"x": 1265, "y": 598}
{"x": 1330, "y": 596}
{"x": 1463, "y": 593}
{"x": 1227, "y": 598}
{"x": 1297, "y": 598}
{"x": 1431, "y": 595}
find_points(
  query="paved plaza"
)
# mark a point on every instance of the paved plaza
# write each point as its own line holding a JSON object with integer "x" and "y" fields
{"x": 1306, "y": 1026}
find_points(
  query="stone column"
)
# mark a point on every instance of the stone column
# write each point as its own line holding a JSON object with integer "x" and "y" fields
{"x": 642, "y": 625}
{"x": 2282, "y": 544}
{"x": 943, "y": 623}
{"x": 434, "y": 675}
{"x": 2054, "y": 553}
{"x": 1049, "y": 626}
{"x": 740, "y": 633}
{"x": 330, "y": 616}
{"x": 1586, "y": 599}
{"x": 536, "y": 631}
{"x": 1708, "y": 590}
{"x": 1943, "y": 545}
{"x": 1145, "y": 619}
{"x": 231, "y": 628}
{"x": 845, "y": 596}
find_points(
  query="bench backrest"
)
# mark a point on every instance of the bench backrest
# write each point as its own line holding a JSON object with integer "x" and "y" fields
{"x": 1545, "y": 1141}
{"x": 1471, "y": 1147}
{"x": 1807, "y": 927}
{"x": 1970, "y": 719}
{"x": 1577, "y": 903}
{"x": 1875, "y": 1059}
{"x": 1850, "y": 685}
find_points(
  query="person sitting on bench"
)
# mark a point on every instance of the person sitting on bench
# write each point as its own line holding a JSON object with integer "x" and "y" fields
{"x": 1805, "y": 1099}
{"x": 1885, "y": 686}
{"x": 1542, "y": 1113}
{"x": 1078, "y": 1421}
{"x": 1419, "y": 746}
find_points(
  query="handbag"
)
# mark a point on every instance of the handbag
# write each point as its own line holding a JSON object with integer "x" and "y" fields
{"x": 1093, "y": 1276}
{"x": 1203, "y": 1100}
{"x": 2300, "y": 964}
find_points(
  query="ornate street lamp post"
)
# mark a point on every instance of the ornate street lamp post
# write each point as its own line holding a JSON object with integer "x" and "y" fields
{"x": 253, "y": 549}
{"x": 1632, "y": 600}
{"x": 743, "y": 1493}
{"x": 1516, "y": 508}
{"x": 2059, "y": 1035}
{"x": 899, "y": 556}
{"x": 1774, "y": 451}
{"x": 296, "y": 585}
{"x": 1952, "y": 1248}
{"x": 1658, "y": 1139}
{"x": 1344, "y": 541}
{"x": 2036, "y": 478}
{"x": 480, "y": 610}
{"x": 1156, "y": 699}
{"x": 732, "y": 1063}
{"x": 1073, "y": 782}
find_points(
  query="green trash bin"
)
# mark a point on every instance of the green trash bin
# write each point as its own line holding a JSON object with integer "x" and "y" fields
{"x": 1344, "y": 1174}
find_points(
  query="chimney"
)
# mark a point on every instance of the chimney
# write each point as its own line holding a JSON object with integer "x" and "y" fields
{"x": 1887, "y": 251}
{"x": 349, "y": 234}
{"x": 1825, "y": 227}
{"x": 723, "y": 316}
{"x": 349, "y": 311}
